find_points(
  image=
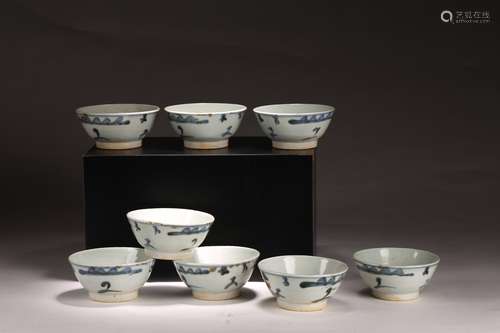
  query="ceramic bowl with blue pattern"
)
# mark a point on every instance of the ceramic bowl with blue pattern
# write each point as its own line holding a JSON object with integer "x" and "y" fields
{"x": 302, "y": 283}
{"x": 205, "y": 125}
{"x": 117, "y": 126}
{"x": 169, "y": 233}
{"x": 294, "y": 126}
{"x": 217, "y": 272}
{"x": 112, "y": 274}
{"x": 396, "y": 274}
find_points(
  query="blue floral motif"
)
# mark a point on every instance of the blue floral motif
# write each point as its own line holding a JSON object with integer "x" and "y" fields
{"x": 380, "y": 270}
{"x": 97, "y": 120}
{"x": 144, "y": 118}
{"x": 178, "y": 118}
{"x": 110, "y": 270}
{"x": 227, "y": 132}
{"x": 327, "y": 293}
{"x": 223, "y": 118}
{"x": 107, "y": 288}
{"x": 426, "y": 271}
{"x": 380, "y": 285}
{"x": 316, "y": 130}
{"x": 196, "y": 271}
{"x": 315, "y": 118}
{"x": 285, "y": 281}
{"x": 232, "y": 282}
{"x": 323, "y": 281}
{"x": 190, "y": 230}
{"x": 98, "y": 136}
{"x": 148, "y": 244}
{"x": 223, "y": 270}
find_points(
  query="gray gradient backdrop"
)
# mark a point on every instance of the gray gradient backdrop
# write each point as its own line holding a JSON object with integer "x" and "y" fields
{"x": 412, "y": 159}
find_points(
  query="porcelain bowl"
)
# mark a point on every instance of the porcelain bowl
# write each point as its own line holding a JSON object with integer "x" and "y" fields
{"x": 112, "y": 274}
{"x": 205, "y": 125}
{"x": 396, "y": 274}
{"x": 169, "y": 233}
{"x": 217, "y": 272}
{"x": 302, "y": 283}
{"x": 294, "y": 126}
{"x": 117, "y": 126}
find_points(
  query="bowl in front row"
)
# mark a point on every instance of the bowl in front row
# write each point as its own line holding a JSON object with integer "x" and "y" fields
{"x": 217, "y": 272}
{"x": 205, "y": 125}
{"x": 117, "y": 126}
{"x": 169, "y": 233}
{"x": 302, "y": 283}
{"x": 112, "y": 274}
{"x": 294, "y": 126}
{"x": 396, "y": 274}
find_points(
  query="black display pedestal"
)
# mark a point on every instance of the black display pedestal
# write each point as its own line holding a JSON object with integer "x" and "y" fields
{"x": 261, "y": 197}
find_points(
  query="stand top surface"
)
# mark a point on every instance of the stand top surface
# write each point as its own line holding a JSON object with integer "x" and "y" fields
{"x": 172, "y": 146}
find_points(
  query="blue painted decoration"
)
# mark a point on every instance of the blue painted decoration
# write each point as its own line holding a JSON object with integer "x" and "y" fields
{"x": 196, "y": 271}
{"x": 107, "y": 121}
{"x": 98, "y": 136}
{"x": 232, "y": 282}
{"x": 194, "y": 241}
{"x": 285, "y": 281}
{"x": 127, "y": 270}
{"x": 227, "y": 132}
{"x": 316, "y": 130}
{"x": 245, "y": 267}
{"x": 323, "y": 281}
{"x": 144, "y": 118}
{"x": 190, "y": 230}
{"x": 178, "y": 118}
{"x": 107, "y": 288}
{"x": 380, "y": 285}
{"x": 380, "y": 270}
{"x": 276, "y": 120}
{"x": 223, "y": 118}
{"x": 271, "y": 132}
{"x": 148, "y": 244}
{"x": 143, "y": 134}
{"x": 180, "y": 130}
{"x": 426, "y": 272}
{"x": 315, "y": 118}
{"x": 327, "y": 293}
{"x": 156, "y": 229}
{"x": 277, "y": 293}
{"x": 137, "y": 228}
{"x": 223, "y": 270}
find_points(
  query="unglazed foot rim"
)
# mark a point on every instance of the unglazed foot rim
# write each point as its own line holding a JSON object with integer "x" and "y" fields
{"x": 169, "y": 256}
{"x": 395, "y": 297}
{"x": 113, "y": 297}
{"x": 208, "y": 296}
{"x": 318, "y": 306}
{"x": 118, "y": 145}
{"x": 295, "y": 145}
{"x": 206, "y": 144}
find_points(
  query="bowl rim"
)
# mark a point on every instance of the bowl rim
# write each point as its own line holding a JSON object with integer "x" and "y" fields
{"x": 434, "y": 262}
{"x": 343, "y": 271}
{"x": 187, "y": 261}
{"x": 84, "y": 109}
{"x": 97, "y": 249}
{"x": 238, "y": 108}
{"x": 209, "y": 216}
{"x": 261, "y": 109}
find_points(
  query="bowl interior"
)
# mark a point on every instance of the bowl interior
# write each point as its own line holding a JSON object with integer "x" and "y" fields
{"x": 205, "y": 108}
{"x": 109, "y": 256}
{"x": 110, "y": 109}
{"x": 171, "y": 216}
{"x": 293, "y": 109}
{"x": 302, "y": 265}
{"x": 221, "y": 255}
{"x": 396, "y": 257}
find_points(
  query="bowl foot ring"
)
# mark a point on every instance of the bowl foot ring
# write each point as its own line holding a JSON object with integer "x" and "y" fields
{"x": 206, "y": 144}
{"x": 295, "y": 145}
{"x": 118, "y": 145}
{"x": 114, "y": 297}
{"x": 318, "y": 306}
{"x": 208, "y": 296}
{"x": 396, "y": 297}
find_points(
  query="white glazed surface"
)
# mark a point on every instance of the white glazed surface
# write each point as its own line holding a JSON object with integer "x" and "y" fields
{"x": 302, "y": 280}
{"x": 170, "y": 230}
{"x": 205, "y": 122}
{"x": 111, "y": 271}
{"x": 117, "y": 123}
{"x": 396, "y": 273}
{"x": 217, "y": 269}
{"x": 296, "y": 123}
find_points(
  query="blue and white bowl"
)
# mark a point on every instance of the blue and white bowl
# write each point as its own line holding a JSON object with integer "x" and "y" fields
{"x": 302, "y": 283}
{"x": 112, "y": 274}
{"x": 117, "y": 126}
{"x": 205, "y": 125}
{"x": 169, "y": 233}
{"x": 396, "y": 274}
{"x": 294, "y": 126}
{"x": 217, "y": 272}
